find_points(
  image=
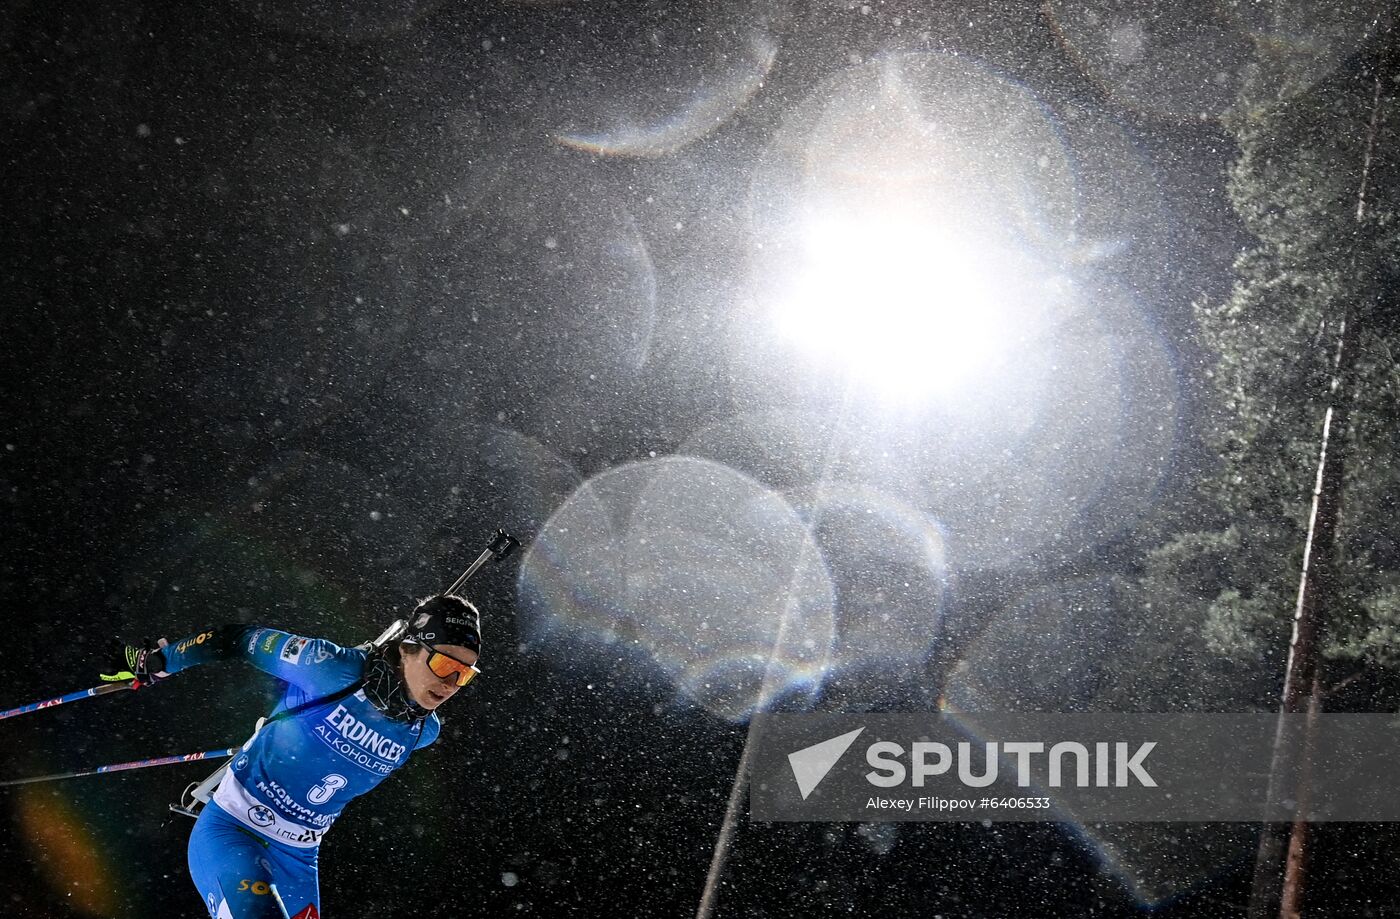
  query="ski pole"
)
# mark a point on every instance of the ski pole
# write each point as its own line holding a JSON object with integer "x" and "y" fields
{"x": 501, "y": 545}
{"x": 118, "y": 767}
{"x": 102, "y": 690}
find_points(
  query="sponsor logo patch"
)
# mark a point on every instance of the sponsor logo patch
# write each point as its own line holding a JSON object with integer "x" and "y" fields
{"x": 358, "y": 742}
{"x": 269, "y": 642}
{"x": 188, "y": 643}
{"x": 291, "y": 651}
{"x": 261, "y": 815}
{"x": 302, "y": 836}
{"x": 287, "y": 804}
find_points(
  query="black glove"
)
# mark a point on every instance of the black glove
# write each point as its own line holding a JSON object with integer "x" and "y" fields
{"x": 141, "y": 663}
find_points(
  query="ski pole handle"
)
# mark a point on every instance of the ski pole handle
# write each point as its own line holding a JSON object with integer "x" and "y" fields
{"x": 102, "y": 690}
{"x": 120, "y": 767}
{"x": 501, "y": 545}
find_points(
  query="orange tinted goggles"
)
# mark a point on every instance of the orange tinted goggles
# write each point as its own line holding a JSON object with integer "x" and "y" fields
{"x": 449, "y": 667}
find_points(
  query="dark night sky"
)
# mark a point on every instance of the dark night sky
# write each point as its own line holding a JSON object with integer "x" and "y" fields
{"x": 302, "y": 301}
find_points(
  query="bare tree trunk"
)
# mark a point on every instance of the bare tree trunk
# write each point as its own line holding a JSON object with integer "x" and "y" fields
{"x": 1296, "y": 863}
{"x": 1301, "y": 688}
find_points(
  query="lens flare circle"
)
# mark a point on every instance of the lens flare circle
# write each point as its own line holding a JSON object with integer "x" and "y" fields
{"x": 69, "y": 853}
{"x": 887, "y": 563}
{"x": 713, "y": 101}
{"x": 659, "y": 80}
{"x": 933, "y": 132}
{"x": 1063, "y": 452}
{"x": 712, "y": 576}
{"x": 1187, "y": 60}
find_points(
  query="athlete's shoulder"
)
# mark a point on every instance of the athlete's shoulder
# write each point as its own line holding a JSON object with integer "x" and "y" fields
{"x": 310, "y": 663}
{"x": 292, "y": 648}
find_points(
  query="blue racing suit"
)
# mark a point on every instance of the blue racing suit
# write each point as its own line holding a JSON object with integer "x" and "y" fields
{"x": 285, "y": 788}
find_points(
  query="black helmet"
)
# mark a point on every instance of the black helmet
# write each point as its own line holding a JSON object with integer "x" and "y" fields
{"x": 445, "y": 620}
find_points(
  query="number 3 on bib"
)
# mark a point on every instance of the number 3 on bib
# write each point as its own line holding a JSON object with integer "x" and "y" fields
{"x": 320, "y": 794}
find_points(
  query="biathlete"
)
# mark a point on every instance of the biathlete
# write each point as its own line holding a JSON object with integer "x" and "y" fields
{"x": 349, "y": 717}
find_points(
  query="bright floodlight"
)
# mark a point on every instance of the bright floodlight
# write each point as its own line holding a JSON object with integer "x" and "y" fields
{"x": 899, "y": 304}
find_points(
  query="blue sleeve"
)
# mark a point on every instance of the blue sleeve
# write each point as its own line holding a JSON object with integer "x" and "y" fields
{"x": 314, "y": 665}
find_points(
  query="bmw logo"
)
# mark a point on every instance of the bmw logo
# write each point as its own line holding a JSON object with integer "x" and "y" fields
{"x": 241, "y": 763}
{"x": 261, "y": 815}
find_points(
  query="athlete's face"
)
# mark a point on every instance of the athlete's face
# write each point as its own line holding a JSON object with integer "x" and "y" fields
{"x": 425, "y": 687}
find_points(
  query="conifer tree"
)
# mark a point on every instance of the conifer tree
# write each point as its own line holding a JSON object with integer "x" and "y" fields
{"x": 1308, "y": 334}
{"x": 1273, "y": 342}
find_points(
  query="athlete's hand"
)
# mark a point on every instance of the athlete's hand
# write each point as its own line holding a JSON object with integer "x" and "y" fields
{"x": 141, "y": 663}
